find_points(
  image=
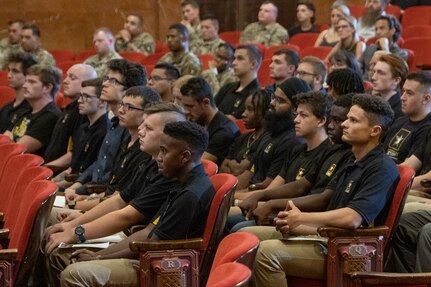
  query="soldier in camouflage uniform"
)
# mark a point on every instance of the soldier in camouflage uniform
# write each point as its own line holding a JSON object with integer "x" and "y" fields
{"x": 179, "y": 56}
{"x": 191, "y": 20}
{"x": 11, "y": 43}
{"x": 222, "y": 72}
{"x": 30, "y": 43}
{"x": 266, "y": 31}
{"x": 104, "y": 45}
{"x": 131, "y": 38}
{"x": 209, "y": 41}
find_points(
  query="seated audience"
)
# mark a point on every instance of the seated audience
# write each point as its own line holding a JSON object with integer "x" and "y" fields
{"x": 266, "y": 30}
{"x": 313, "y": 71}
{"x": 283, "y": 66}
{"x": 344, "y": 81}
{"x": 34, "y": 128}
{"x": 231, "y": 97}
{"x": 388, "y": 31}
{"x": 209, "y": 40}
{"x": 349, "y": 40}
{"x": 373, "y": 9}
{"x": 180, "y": 56}
{"x": 342, "y": 59}
{"x": 162, "y": 79}
{"x": 132, "y": 38}
{"x": 191, "y": 19}
{"x": 17, "y": 65}
{"x": 305, "y": 16}
{"x": 103, "y": 42}
{"x": 329, "y": 37}
{"x": 245, "y": 146}
{"x": 200, "y": 108}
{"x": 10, "y": 44}
{"x": 30, "y": 43}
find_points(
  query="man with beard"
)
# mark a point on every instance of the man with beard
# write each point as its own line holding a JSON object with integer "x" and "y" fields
{"x": 200, "y": 108}
{"x": 280, "y": 141}
{"x": 373, "y": 9}
{"x": 313, "y": 71}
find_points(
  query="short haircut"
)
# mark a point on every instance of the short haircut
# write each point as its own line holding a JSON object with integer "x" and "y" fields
{"x": 171, "y": 112}
{"x": 34, "y": 29}
{"x": 398, "y": 66}
{"x": 423, "y": 78}
{"x": 180, "y": 28}
{"x": 192, "y": 134}
{"x": 344, "y": 101}
{"x": 320, "y": 103}
{"x": 377, "y": 110}
{"x": 198, "y": 89}
{"x": 25, "y": 59}
{"x": 212, "y": 18}
{"x": 273, "y": 4}
{"x": 310, "y": 6}
{"x": 148, "y": 95}
{"x": 105, "y": 30}
{"x": 318, "y": 66}
{"x": 392, "y": 23}
{"x": 48, "y": 75}
{"x": 261, "y": 99}
{"x": 19, "y": 21}
{"x": 340, "y": 7}
{"x": 253, "y": 53}
{"x": 134, "y": 74}
{"x": 344, "y": 81}
{"x": 170, "y": 70}
{"x": 291, "y": 56}
{"x": 139, "y": 16}
{"x": 192, "y": 3}
{"x": 347, "y": 58}
{"x": 95, "y": 83}
{"x": 230, "y": 50}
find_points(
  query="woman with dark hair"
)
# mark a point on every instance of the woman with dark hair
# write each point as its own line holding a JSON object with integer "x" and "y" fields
{"x": 305, "y": 15}
{"x": 342, "y": 59}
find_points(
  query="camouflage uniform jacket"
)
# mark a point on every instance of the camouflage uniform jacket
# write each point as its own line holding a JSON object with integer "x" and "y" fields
{"x": 270, "y": 35}
{"x": 5, "y": 49}
{"x": 143, "y": 43}
{"x": 187, "y": 63}
{"x": 194, "y": 34}
{"x": 205, "y": 47}
{"x": 44, "y": 57}
{"x": 219, "y": 80}
{"x": 101, "y": 64}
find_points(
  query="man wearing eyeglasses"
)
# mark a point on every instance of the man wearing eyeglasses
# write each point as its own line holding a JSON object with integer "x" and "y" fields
{"x": 162, "y": 79}
{"x": 313, "y": 71}
{"x": 88, "y": 138}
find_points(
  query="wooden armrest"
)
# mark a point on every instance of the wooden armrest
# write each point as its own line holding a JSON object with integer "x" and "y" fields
{"x": 95, "y": 188}
{"x": 331, "y": 232}
{"x": 8, "y": 254}
{"x": 142, "y": 246}
{"x": 72, "y": 177}
{"x": 56, "y": 169}
{"x": 385, "y": 278}
{"x": 4, "y": 233}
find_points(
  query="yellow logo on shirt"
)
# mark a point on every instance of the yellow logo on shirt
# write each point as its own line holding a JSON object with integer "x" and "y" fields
{"x": 349, "y": 186}
{"x": 300, "y": 173}
{"x": 19, "y": 130}
{"x": 331, "y": 169}
{"x": 268, "y": 148}
{"x": 156, "y": 221}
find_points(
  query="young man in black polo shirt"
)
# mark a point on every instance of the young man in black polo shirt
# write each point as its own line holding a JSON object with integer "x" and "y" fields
{"x": 89, "y": 136}
{"x": 34, "y": 129}
{"x": 199, "y": 104}
{"x": 17, "y": 65}
{"x": 58, "y": 152}
{"x": 360, "y": 194}
{"x": 231, "y": 97}
{"x": 408, "y": 132}
{"x": 183, "y": 215}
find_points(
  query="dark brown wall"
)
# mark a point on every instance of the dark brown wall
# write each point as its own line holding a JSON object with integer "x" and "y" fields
{"x": 69, "y": 24}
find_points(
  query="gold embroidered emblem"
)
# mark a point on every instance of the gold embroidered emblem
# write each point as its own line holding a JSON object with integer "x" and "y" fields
{"x": 349, "y": 186}
{"x": 331, "y": 169}
{"x": 300, "y": 173}
{"x": 268, "y": 148}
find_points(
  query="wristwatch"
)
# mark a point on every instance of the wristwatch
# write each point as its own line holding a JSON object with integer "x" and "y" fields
{"x": 79, "y": 231}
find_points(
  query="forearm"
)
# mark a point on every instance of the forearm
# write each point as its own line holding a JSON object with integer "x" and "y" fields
{"x": 64, "y": 160}
{"x": 313, "y": 202}
{"x": 244, "y": 179}
{"x": 343, "y": 218}
{"x": 289, "y": 190}
{"x": 238, "y": 167}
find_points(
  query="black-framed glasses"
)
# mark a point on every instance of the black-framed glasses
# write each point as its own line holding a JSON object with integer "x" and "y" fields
{"x": 112, "y": 81}
{"x": 158, "y": 78}
{"x": 301, "y": 74}
{"x": 86, "y": 97}
{"x": 127, "y": 107}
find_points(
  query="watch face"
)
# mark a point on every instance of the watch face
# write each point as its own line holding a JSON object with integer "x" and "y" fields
{"x": 79, "y": 230}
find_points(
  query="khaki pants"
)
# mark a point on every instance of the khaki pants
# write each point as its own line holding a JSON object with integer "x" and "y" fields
{"x": 413, "y": 201}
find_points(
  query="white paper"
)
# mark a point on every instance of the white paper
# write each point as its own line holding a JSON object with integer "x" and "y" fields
{"x": 60, "y": 201}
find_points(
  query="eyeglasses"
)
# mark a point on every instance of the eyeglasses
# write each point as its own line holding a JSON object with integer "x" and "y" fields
{"x": 301, "y": 74}
{"x": 158, "y": 78}
{"x": 127, "y": 107}
{"x": 112, "y": 81}
{"x": 341, "y": 27}
{"x": 86, "y": 97}
{"x": 278, "y": 99}
{"x": 221, "y": 57}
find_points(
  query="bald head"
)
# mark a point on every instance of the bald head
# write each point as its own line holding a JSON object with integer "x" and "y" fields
{"x": 74, "y": 77}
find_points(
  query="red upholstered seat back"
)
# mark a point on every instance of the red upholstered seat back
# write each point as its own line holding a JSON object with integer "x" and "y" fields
{"x": 304, "y": 40}
{"x": 210, "y": 167}
{"x": 228, "y": 275}
{"x": 7, "y": 151}
{"x": 7, "y": 95}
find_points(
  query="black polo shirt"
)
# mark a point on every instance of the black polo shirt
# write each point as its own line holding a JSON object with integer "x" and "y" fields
{"x": 366, "y": 186}
{"x": 148, "y": 190}
{"x": 126, "y": 165}
{"x": 244, "y": 147}
{"x": 272, "y": 152}
{"x": 231, "y": 102}
{"x": 10, "y": 114}
{"x": 222, "y": 131}
{"x": 395, "y": 103}
{"x": 63, "y": 132}
{"x": 37, "y": 125}
{"x": 320, "y": 173}
{"x": 405, "y": 136}
{"x": 184, "y": 214}
{"x": 87, "y": 142}
{"x": 302, "y": 160}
